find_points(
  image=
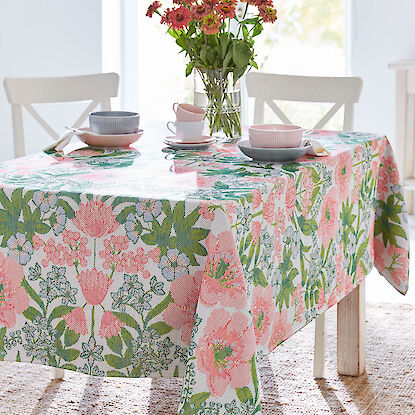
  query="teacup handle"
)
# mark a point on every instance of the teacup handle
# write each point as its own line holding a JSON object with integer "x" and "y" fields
{"x": 175, "y": 105}
{"x": 168, "y": 126}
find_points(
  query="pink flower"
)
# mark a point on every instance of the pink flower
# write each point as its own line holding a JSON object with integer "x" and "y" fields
{"x": 332, "y": 300}
{"x": 290, "y": 197}
{"x": 321, "y": 299}
{"x": 328, "y": 220}
{"x": 269, "y": 208}
{"x": 256, "y": 230}
{"x": 297, "y": 300}
{"x": 76, "y": 321}
{"x": 94, "y": 285}
{"x": 262, "y": 311}
{"x": 180, "y": 314}
{"x": 224, "y": 280}
{"x": 343, "y": 173}
{"x": 13, "y": 297}
{"x": 281, "y": 330}
{"x": 110, "y": 325}
{"x": 205, "y": 211}
{"x": 95, "y": 219}
{"x": 225, "y": 350}
{"x": 256, "y": 198}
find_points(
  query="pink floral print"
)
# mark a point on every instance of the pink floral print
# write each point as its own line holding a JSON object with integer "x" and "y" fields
{"x": 224, "y": 351}
{"x": 281, "y": 330}
{"x": 94, "y": 285}
{"x": 223, "y": 280}
{"x": 110, "y": 325}
{"x": 290, "y": 197}
{"x": 262, "y": 312}
{"x": 13, "y": 297}
{"x": 328, "y": 220}
{"x": 95, "y": 219}
{"x": 76, "y": 321}
{"x": 180, "y": 314}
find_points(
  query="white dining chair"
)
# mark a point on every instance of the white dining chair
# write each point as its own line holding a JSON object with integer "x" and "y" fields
{"x": 267, "y": 88}
{"x": 24, "y": 92}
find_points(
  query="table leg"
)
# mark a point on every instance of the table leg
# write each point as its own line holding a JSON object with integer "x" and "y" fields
{"x": 58, "y": 373}
{"x": 351, "y": 333}
{"x": 320, "y": 346}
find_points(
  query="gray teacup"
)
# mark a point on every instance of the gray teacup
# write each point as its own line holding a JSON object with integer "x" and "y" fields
{"x": 114, "y": 122}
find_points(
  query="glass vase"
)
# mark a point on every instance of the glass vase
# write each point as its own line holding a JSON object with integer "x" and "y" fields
{"x": 215, "y": 91}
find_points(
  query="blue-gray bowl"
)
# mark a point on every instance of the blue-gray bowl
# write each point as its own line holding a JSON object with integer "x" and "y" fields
{"x": 114, "y": 122}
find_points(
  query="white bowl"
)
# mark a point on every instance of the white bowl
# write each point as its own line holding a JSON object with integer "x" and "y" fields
{"x": 114, "y": 122}
{"x": 275, "y": 135}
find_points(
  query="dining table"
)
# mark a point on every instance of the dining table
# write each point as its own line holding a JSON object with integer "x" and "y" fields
{"x": 152, "y": 262}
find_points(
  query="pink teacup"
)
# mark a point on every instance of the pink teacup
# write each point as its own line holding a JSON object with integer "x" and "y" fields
{"x": 188, "y": 112}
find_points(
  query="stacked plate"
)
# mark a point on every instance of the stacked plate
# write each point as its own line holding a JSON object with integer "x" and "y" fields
{"x": 178, "y": 144}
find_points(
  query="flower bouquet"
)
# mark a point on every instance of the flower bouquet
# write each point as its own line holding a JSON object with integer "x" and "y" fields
{"x": 219, "y": 43}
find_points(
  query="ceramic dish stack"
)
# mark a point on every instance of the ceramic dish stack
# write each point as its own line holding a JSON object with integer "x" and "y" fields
{"x": 111, "y": 129}
{"x": 274, "y": 142}
{"x": 188, "y": 128}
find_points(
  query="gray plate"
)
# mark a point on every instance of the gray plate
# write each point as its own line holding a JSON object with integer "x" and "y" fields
{"x": 272, "y": 154}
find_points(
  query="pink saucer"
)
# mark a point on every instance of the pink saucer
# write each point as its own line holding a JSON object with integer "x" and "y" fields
{"x": 109, "y": 141}
{"x": 203, "y": 140}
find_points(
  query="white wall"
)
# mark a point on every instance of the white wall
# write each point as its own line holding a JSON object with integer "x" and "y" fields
{"x": 46, "y": 38}
{"x": 381, "y": 32}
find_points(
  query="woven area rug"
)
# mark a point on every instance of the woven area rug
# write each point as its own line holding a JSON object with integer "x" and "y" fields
{"x": 388, "y": 387}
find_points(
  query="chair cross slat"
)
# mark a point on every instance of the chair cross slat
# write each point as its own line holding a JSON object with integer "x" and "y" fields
{"x": 23, "y": 92}
{"x": 339, "y": 91}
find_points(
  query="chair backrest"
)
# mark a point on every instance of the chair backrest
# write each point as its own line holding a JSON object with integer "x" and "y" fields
{"x": 23, "y": 92}
{"x": 267, "y": 87}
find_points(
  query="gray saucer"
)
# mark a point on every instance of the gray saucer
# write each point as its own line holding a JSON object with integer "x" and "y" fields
{"x": 272, "y": 154}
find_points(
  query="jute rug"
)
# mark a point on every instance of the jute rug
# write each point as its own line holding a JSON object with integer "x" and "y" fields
{"x": 388, "y": 387}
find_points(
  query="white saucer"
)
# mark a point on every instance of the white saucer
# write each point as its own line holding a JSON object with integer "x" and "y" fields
{"x": 177, "y": 144}
{"x": 273, "y": 154}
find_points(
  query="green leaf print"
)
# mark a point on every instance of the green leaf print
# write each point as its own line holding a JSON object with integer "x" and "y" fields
{"x": 115, "y": 344}
{"x": 307, "y": 226}
{"x": 31, "y": 313}
{"x": 69, "y": 354}
{"x": 33, "y": 295}
{"x": 122, "y": 216}
{"x": 288, "y": 273}
{"x": 388, "y": 230}
{"x": 161, "y": 328}
{"x": 128, "y": 320}
{"x": 70, "y": 337}
{"x": 116, "y": 362}
{"x": 127, "y": 337}
{"x": 193, "y": 405}
{"x": 244, "y": 394}
{"x": 60, "y": 311}
{"x": 115, "y": 374}
{"x": 259, "y": 278}
{"x": 159, "y": 308}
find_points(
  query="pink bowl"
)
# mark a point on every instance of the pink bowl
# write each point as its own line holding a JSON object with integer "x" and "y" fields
{"x": 108, "y": 141}
{"x": 275, "y": 135}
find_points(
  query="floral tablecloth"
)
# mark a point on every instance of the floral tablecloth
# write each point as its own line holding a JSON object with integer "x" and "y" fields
{"x": 151, "y": 262}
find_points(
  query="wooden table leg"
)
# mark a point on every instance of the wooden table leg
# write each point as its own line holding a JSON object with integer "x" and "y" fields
{"x": 58, "y": 373}
{"x": 351, "y": 333}
{"x": 320, "y": 347}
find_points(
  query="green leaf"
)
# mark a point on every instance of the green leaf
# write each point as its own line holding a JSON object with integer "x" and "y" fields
{"x": 60, "y": 311}
{"x": 127, "y": 319}
{"x": 122, "y": 216}
{"x": 193, "y": 405}
{"x": 189, "y": 68}
{"x": 69, "y": 354}
{"x": 176, "y": 372}
{"x": 69, "y": 366}
{"x": 32, "y": 294}
{"x": 70, "y": 213}
{"x": 116, "y": 374}
{"x": 115, "y": 361}
{"x": 115, "y": 344}
{"x": 70, "y": 337}
{"x": 259, "y": 278}
{"x": 59, "y": 329}
{"x": 159, "y": 308}
{"x": 161, "y": 327}
{"x": 127, "y": 337}
{"x": 244, "y": 394}
{"x": 31, "y": 313}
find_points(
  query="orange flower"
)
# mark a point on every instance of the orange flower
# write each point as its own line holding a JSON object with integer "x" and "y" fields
{"x": 226, "y": 10}
{"x": 211, "y": 24}
{"x": 268, "y": 14}
{"x": 153, "y": 8}
{"x": 199, "y": 11}
{"x": 177, "y": 18}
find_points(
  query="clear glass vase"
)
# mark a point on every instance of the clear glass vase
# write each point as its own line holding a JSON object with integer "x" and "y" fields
{"x": 215, "y": 91}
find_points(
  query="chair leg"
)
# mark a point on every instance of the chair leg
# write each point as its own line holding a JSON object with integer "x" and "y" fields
{"x": 320, "y": 347}
{"x": 351, "y": 333}
{"x": 58, "y": 373}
